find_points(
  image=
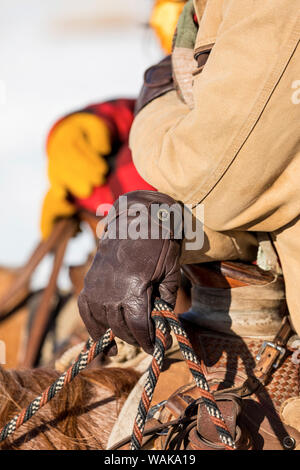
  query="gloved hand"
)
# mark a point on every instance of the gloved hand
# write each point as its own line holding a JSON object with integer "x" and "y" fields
{"x": 76, "y": 147}
{"x": 127, "y": 274}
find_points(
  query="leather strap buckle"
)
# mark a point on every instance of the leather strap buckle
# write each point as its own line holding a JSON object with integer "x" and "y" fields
{"x": 278, "y": 348}
{"x": 154, "y": 409}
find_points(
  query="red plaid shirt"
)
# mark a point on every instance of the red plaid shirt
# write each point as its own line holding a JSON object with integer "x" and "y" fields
{"x": 123, "y": 176}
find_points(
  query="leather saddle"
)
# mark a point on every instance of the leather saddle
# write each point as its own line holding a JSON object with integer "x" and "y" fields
{"x": 239, "y": 329}
{"x": 236, "y": 308}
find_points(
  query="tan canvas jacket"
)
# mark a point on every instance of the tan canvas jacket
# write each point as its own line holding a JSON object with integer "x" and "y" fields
{"x": 238, "y": 151}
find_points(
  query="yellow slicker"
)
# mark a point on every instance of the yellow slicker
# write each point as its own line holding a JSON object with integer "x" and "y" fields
{"x": 164, "y": 18}
{"x": 78, "y": 143}
{"x": 76, "y": 165}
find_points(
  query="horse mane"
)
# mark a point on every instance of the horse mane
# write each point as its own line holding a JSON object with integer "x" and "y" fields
{"x": 80, "y": 417}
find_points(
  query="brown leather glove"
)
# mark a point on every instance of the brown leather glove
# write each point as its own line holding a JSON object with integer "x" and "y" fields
{"x": 158, "y": 80}
{"x": 127, "y": 274}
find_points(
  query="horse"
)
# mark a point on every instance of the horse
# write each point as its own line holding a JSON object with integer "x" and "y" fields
{"x": 80, "y": 417}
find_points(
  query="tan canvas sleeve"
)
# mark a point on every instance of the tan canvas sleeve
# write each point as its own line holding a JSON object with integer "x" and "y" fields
{"x": 186, "y": 153}
{"x": 210, "y": 12}
{"x": 287, "y": 242}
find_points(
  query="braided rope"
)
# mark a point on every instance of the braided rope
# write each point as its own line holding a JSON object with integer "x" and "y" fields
{"x": 68, "y": 357}
{"x": 151, "y": 381}
{"x": 90, "y": 351}
{"x": 164, "y": 318}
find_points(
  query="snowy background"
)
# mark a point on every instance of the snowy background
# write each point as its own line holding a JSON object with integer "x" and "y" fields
{"x": 56, "y": 56}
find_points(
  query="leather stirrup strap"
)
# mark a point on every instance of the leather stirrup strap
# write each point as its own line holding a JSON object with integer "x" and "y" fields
{"x": 39, "y": 253}
{"x": 272, "y": 352}
{"x": 269, "y": 358}
{"x": 41, "y": 317}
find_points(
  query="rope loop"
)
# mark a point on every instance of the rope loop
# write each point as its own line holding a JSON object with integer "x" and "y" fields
{"x": 165, "y": 320}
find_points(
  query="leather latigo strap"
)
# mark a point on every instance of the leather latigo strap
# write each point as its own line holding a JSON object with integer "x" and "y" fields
{"x": 269, "y": 358}
{"x": 226, "y": 274}
{"x": 193, "y": 429}
{"x": 42, "y": 315}
{"x": 201, "y": 56}
{"x": 11, "y": 298}
{"x": 158, "y": 80}
{"x": 272, "y": 352}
